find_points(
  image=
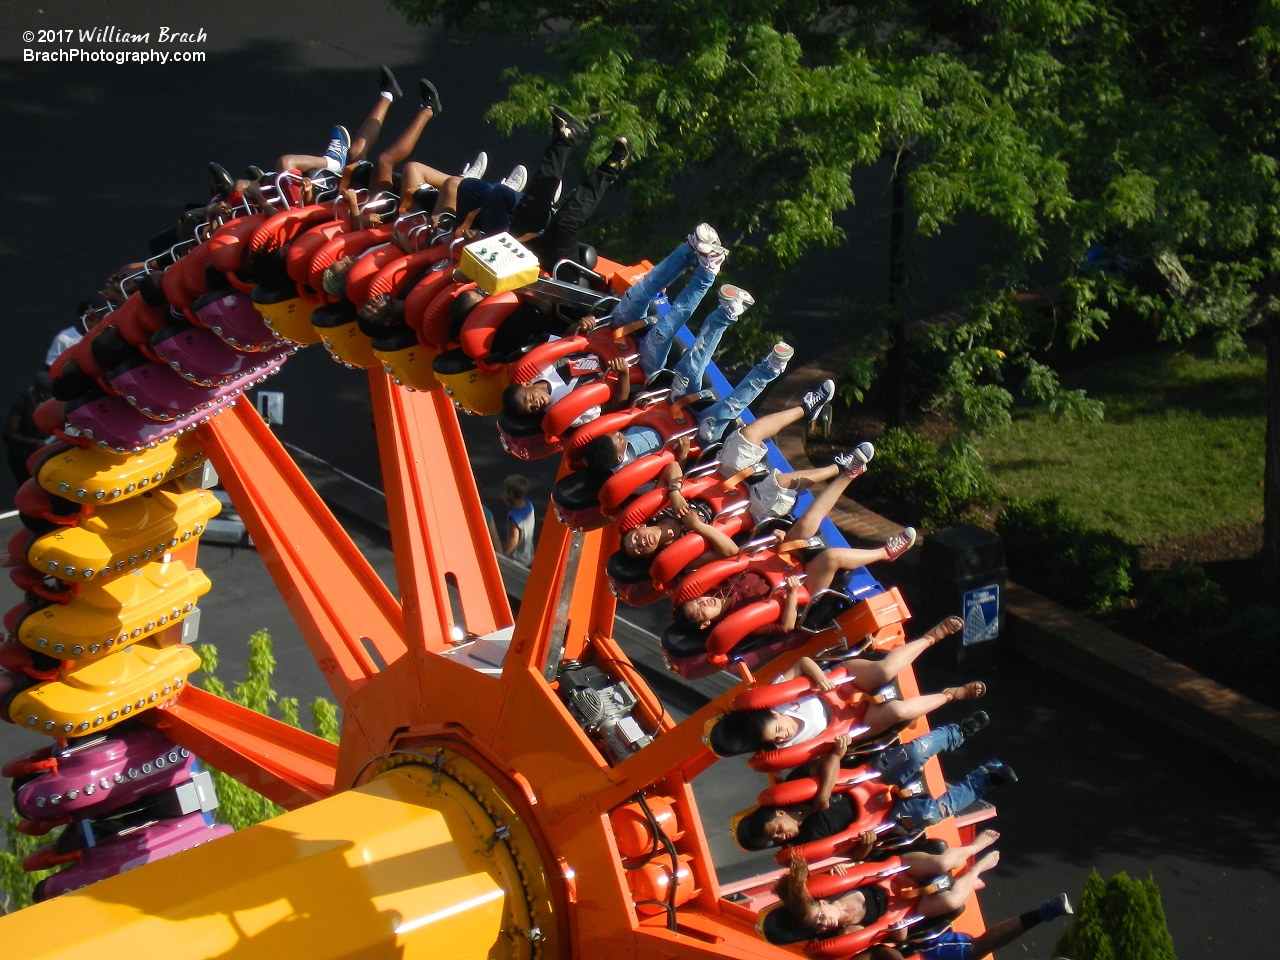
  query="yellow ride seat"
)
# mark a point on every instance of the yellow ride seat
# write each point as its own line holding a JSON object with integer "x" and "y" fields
{"x": 96, "y": 475}
{"x": 119, "y": 537}
{"x": 98, "y": 695}
{"x": 286, "y": 313}
{"x": 106, "y": 617}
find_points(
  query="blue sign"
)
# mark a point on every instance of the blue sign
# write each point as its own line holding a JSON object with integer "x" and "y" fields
{"x": 982, "y": 614}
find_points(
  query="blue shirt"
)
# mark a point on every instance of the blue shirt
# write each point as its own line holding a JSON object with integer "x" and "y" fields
{"x": 640, "y": 442}
{"x": 522, "y": 519}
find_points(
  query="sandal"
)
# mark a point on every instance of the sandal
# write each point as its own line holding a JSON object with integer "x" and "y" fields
{"x": 974, "y": 690}
{"x": 943, "y": 629}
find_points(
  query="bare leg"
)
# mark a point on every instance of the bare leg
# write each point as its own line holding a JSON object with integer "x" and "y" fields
{"x": 822, "y": 569}
{"x": 874, "y": 674}
{"x": 769, "y": 426}
{"x": 881, "y": 716}
{"x": 414, "y": 175}
{"x": 367, "y": 135}
{"x": 403, "y": 146}
{"x": 936, "y": 904}
{"x": 926, "y": 866}
{"x": 300, "y": 161}
{"x": 807, "y": 526}
{"x": 804, "y": 479}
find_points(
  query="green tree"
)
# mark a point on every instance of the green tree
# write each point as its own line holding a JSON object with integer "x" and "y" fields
{"x": 752, "y": 114}
{"x": 1118, "y": 919}
{"x": 238, "y": 805}
{"x": 1169, "y": 126}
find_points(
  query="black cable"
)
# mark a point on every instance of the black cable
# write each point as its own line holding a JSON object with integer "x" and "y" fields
{"x": 658, "y": 832}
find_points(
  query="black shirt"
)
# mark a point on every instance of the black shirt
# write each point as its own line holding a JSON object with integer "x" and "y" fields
{"x": 826, "y": 823}
{"x": 525, "y": 326}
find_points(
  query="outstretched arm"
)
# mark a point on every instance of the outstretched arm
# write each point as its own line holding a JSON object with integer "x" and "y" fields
{"x": 828, "y": 771}
{"x": 806, "y": 667}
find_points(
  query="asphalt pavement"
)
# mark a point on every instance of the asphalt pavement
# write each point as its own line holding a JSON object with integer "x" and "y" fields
{"x": 98, "y": 157}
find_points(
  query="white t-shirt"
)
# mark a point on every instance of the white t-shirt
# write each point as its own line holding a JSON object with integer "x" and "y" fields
{"x": 562, "y": 388}
{"x": 810, "y": 712}
{"x": 68, "y": 337}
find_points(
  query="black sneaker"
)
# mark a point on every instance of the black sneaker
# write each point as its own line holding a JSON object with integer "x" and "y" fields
{"x": 971, "y": 724}
{"x": 620, "y": 153}
{"x": 567, "y": 129}
{"x": 815, "y": 400}
{"x": 254, "y": 173}
{"x": 389, "y": 85}
{"x": 1000, "y": 773}
{"x": 222, "y": 182}
{"x": 430, "y": 96}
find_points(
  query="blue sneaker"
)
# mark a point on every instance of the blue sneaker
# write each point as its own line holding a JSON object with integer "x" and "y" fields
{"x": 339, "y": 144}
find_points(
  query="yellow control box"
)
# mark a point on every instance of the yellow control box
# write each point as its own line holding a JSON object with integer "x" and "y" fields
{"x": 499, "y": 263}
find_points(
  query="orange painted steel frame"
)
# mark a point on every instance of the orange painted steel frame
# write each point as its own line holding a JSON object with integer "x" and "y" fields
{"x": 380, "y": 658}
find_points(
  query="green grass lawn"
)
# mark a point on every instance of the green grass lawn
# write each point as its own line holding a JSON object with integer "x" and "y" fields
{"x": 1179, "y": 453}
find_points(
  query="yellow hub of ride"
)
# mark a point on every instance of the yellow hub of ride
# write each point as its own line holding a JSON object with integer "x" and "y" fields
{"x": 98, "y": 695}
{"x": 406, "y": 866}
{"x": 106, "y": 617}
{"x": 97, "y": 476}
{"x": 119, "y": 537}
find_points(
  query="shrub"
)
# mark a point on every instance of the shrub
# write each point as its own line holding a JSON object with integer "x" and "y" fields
{"x": 923, "y": 484}
{"x": 237, "y": 804}
{"x": 1119, "y": 919}
{"x": 1051, "y": 551}
{"x": 1182, "y": 598}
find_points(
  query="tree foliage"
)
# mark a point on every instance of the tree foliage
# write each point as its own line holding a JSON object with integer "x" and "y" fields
{"x": 1118, "y": 919}
{"x": 1123, "y": 152}
{"x": 238, "y": 805}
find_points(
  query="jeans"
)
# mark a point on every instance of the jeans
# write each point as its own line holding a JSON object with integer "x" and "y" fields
{"x": 716, "y": 419}
{"x": 656, "y": 344}
{"x": 693, "y": 364}
{"x": 901, "y": 764}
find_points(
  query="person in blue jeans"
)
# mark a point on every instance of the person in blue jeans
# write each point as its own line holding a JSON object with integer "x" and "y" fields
{"x": 826, "y": 815}
{"x": 702, "y": 251}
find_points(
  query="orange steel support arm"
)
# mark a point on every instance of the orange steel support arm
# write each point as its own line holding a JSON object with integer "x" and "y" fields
{"x": 438, "y": 529}
{"x": 337, "y": 599}
{"x": 286, "y": 765}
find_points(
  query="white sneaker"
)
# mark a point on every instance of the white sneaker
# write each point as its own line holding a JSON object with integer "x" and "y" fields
{"x": 711, "y": 257}
{"x": 703, "y": 233}
{"x": 476, "y": 168}
{"x": 706, "y": 429}
{"x": 735, "y": 300}
{"x": 517, "y": 178}
{"x": 780, "y": 356}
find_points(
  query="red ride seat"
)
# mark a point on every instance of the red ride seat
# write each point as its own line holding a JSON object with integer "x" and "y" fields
{"x": 350, "y": 244}
{"x": 229, "y": 248}
{"x": 437, "y": 319}
{"x": 481, "y": 325}
{"x": 303, "y": 250}
{"x": 421, "y": 296}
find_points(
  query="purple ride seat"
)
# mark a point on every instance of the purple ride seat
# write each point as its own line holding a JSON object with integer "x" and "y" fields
{"x": 207, "y": 360}
{"x": 164, "y": 394}
{"x": 123, "y": 853}
{"x": 104, "y": 776}
{"x": 231, "y": 315}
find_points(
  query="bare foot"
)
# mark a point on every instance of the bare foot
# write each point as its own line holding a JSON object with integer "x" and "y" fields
{"x": 987, "y": 862}
{"x": 983, "y": 840}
